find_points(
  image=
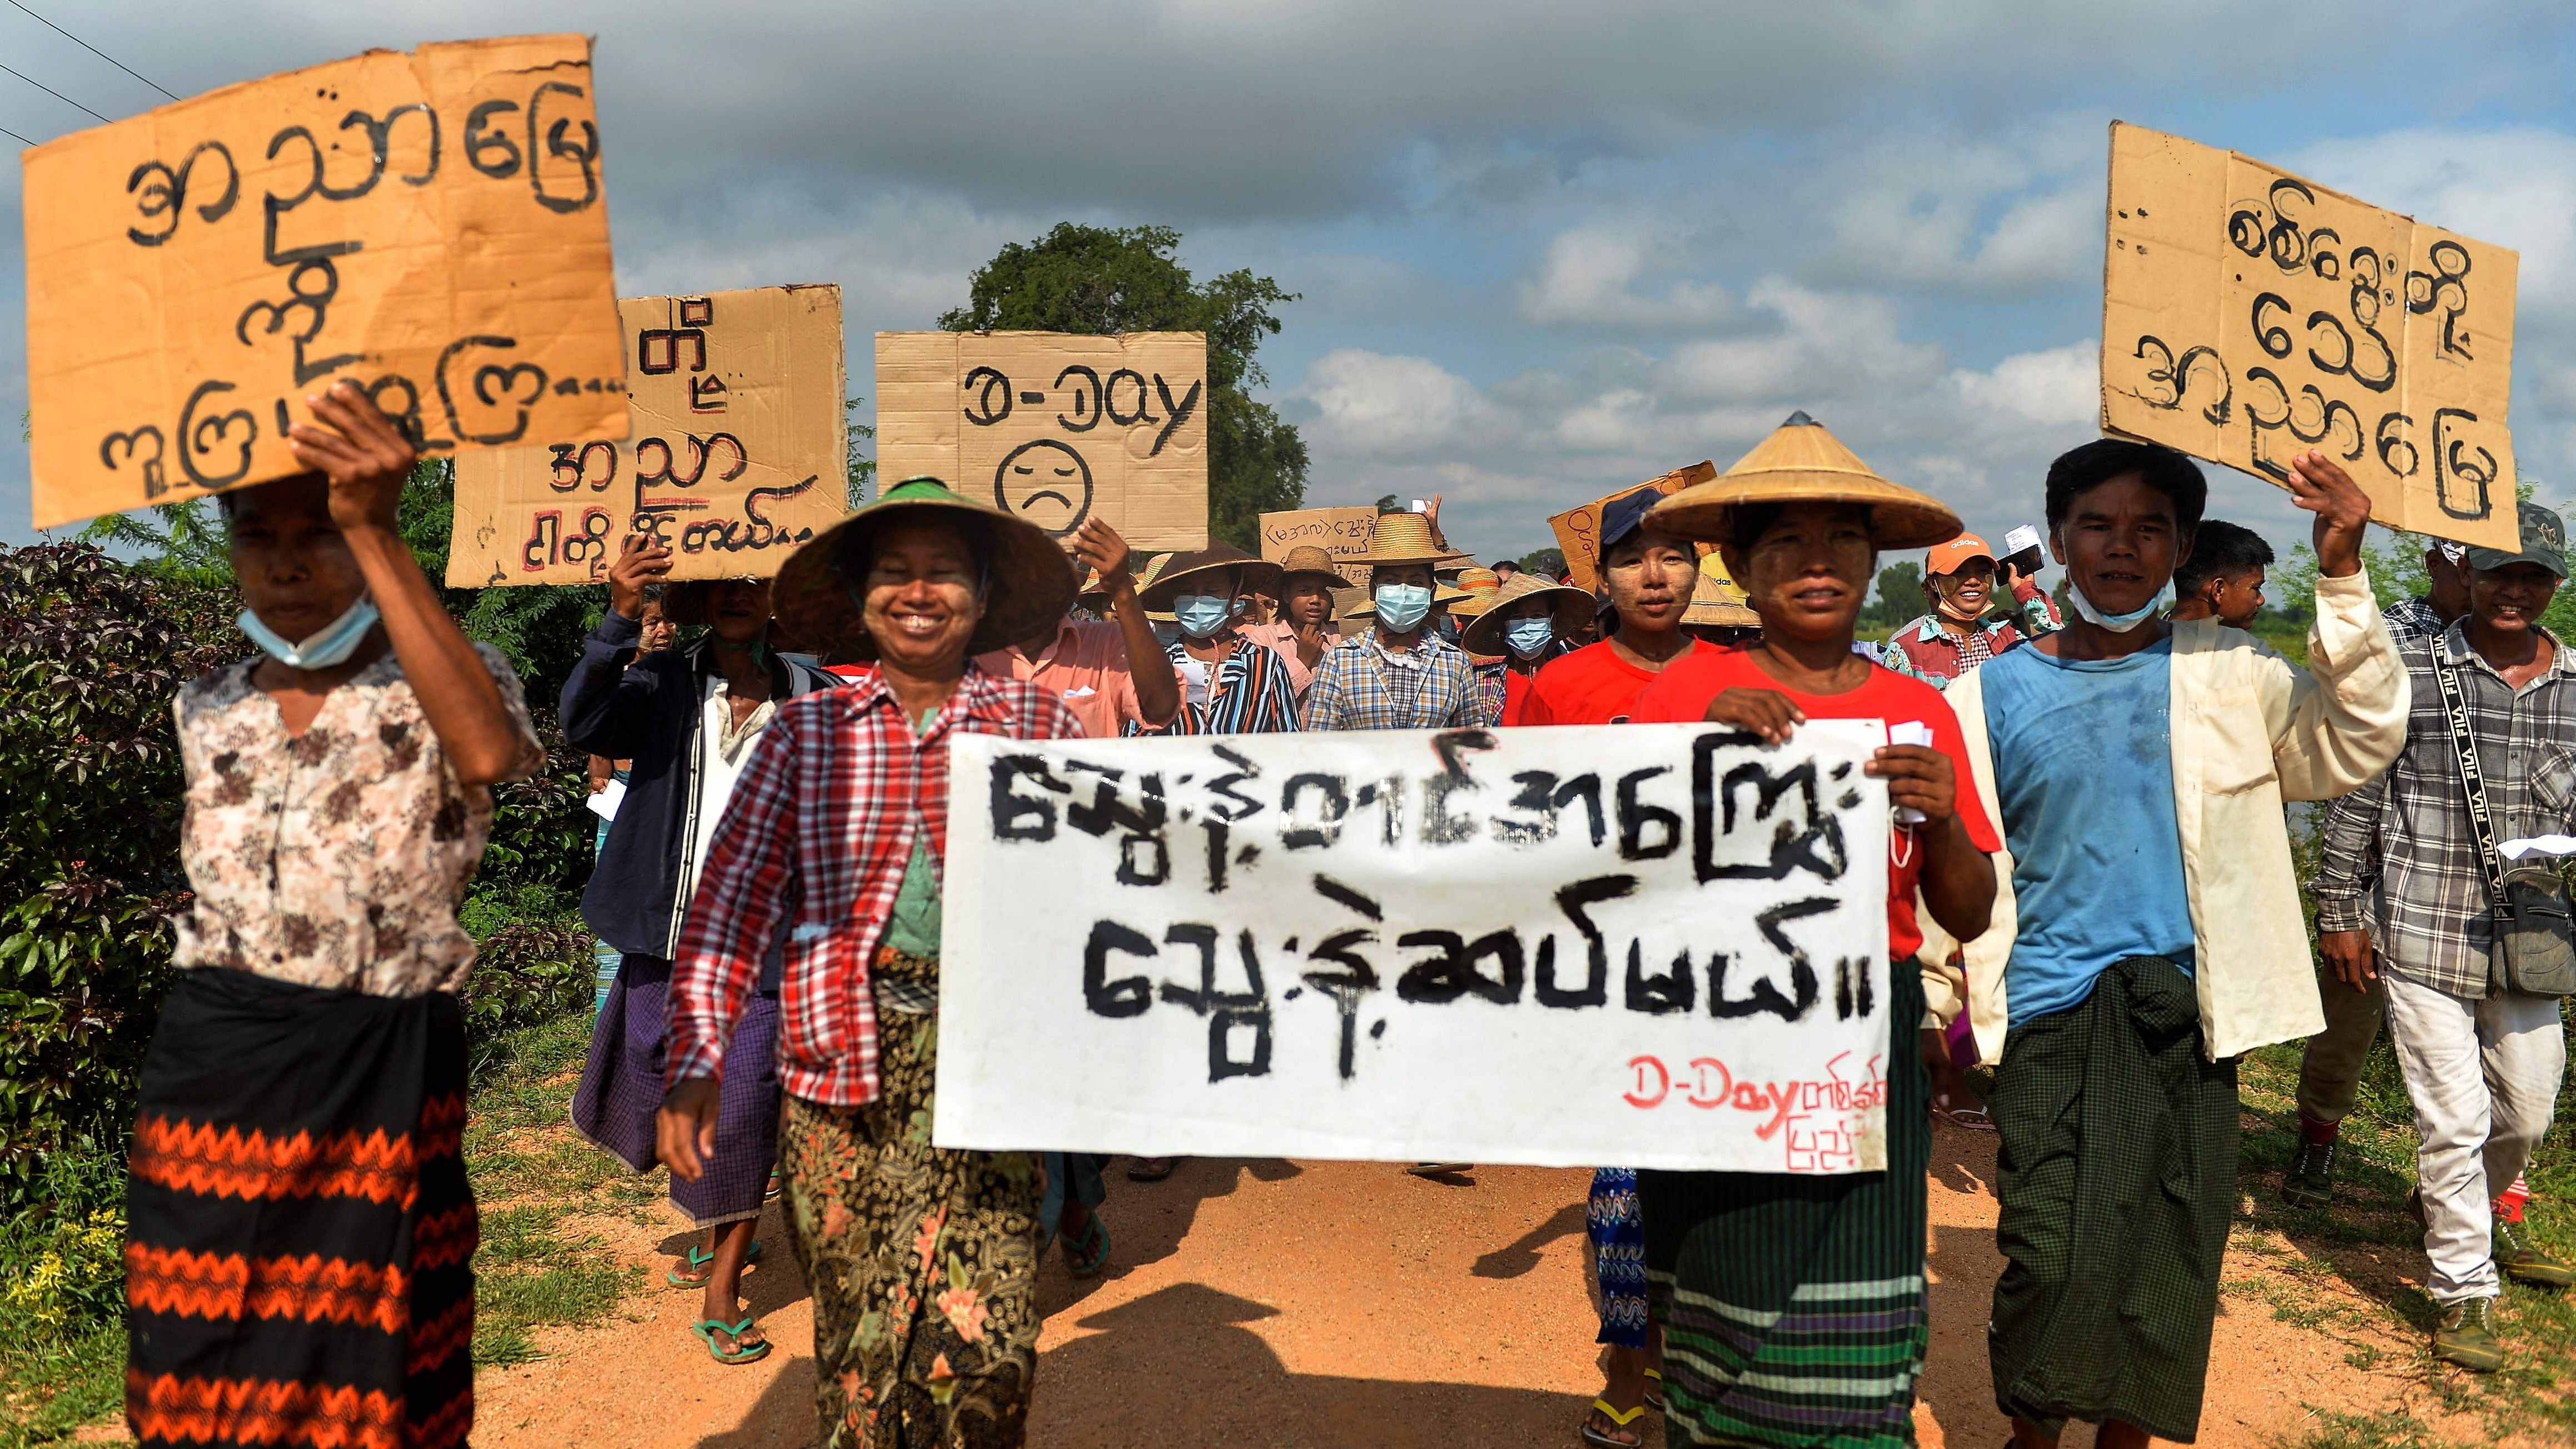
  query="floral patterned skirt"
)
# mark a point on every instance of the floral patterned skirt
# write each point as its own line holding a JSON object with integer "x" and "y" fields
{"x": 923, "y": 1262}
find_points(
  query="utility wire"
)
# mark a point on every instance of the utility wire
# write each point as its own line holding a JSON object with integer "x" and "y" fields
{"x": 14, "y": 136}
{"x": 94, "y": 50}
{"x": 49, "y": 90}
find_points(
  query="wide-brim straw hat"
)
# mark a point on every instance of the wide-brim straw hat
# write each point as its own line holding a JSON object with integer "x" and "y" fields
{"x": 1305, "y": 558}
{"x": 1802, "y": 463}
{"x": 1480, "y": 585}
{"x": 819, "y": 591}
{"x": 1572, "y": 608}
{"x": 1258, "y": 576}
{"x": 1404, "y": 538}
{"x": 1365, "y": 606}
{"x": 1720, "y": 605}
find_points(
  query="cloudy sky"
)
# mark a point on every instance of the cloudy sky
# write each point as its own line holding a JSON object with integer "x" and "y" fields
{"x": 1543, "y": 250}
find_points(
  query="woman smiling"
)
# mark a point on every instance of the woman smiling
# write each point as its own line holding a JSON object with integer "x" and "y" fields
{"x": 922, "y": 1261}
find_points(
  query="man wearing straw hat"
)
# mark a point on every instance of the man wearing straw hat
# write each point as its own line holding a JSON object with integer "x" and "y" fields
{"x": 1794, "y": 1306}
{"x": 1398, "y": 674}
{"x": 2148, "y": 926}
{"x": 1304, "y": 628}
{"x": 1229, "y": 684}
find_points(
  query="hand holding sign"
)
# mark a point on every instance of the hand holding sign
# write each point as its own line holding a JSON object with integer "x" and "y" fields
{"x": 357, "y": 448}
{"x": 2342, "y": 509}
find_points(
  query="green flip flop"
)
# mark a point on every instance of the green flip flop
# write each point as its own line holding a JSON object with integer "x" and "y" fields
{"x": 707, "y": 1328}
{"x": 699, "y": 1258}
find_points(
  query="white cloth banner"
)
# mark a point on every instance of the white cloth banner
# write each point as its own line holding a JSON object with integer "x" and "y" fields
{"x": 1645, "y": 945}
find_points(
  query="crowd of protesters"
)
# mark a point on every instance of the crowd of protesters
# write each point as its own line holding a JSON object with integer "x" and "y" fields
{"x": 2090, "y": 890}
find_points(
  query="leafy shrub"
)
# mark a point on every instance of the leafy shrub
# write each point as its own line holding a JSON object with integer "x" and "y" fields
{"x": 92, "y": 652}
{"x": 66, "y": 1267}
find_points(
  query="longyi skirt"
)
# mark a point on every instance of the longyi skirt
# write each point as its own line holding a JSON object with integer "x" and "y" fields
{"x": 621, "y": 1091}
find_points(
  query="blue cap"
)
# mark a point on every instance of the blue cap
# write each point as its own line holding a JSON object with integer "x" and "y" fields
{"x": 1624, "y": 515}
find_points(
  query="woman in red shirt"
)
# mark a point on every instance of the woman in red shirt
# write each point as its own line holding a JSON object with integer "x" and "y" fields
{"x": 1800, "y": 522}
{"x": 1649, "y": 572}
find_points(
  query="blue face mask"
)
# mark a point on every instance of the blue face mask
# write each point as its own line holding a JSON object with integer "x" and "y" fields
{"x": 1201, "y": 615}
{"x": 333, "y": 645}
{"x": 1402, "y": 607}
{"x": 2116, "y": 623}
{"x": 1526, "y": 637}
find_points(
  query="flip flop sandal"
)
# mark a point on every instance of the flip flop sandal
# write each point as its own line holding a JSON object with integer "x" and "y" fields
{"x": 1602, "y": 1438}
{"x": 1655, "y": 1390}
{"x": 707, "y": 1328}
{"x": 1086, "y": 1256}
{"x": 1966, "y": 1119}
{"x": 776, "y": 1186}
{"x": 699, "y": 1259}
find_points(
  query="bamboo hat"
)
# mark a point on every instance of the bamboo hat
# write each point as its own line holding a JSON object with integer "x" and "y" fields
{"x": 1802, "y": 463}
{"x": 819, "y": 591}
{"x": 1305, "y": 558}
{"x": 1404, "y": 538}
{"x": 1717, "y": 602}
{"x": 1203, "y": 564}
{"x": 1480, "y": 586}
{"x": 1570, "y": 606}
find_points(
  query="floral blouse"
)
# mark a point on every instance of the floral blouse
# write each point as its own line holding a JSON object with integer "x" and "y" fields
{"x": 336, "y": 858}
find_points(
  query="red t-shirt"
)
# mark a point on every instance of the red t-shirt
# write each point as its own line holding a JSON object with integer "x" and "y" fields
{"x": 1593, "y": 686}
{"x": 1681, "y": 694}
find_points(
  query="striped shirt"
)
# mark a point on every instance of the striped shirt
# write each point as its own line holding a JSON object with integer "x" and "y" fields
{"x": 1249, "y": 693}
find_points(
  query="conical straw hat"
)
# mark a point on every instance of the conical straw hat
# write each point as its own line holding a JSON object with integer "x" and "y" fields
{"x": 1719, "y": 604}
{"x": 1803, "y": 463}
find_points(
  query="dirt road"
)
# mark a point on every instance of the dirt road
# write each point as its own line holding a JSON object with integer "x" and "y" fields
{"x": 1276, "y": 1304}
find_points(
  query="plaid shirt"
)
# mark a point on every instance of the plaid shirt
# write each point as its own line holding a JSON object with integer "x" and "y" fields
{"x": 1359, "y": 686}
{"x": 813, "y": 844}
{"x": 2400, "y": 856}
{"x": 1252, "y": 694}
{"x": 1493, "y": 686}
{"x": 2413, "y": 620}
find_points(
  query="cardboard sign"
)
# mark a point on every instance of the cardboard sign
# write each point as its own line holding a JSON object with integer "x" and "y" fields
{"x": 1356, "y": 945}
{"x": 428, "y": 226}
{"x": 1054, "y": 427}
{"x": 1341, "y": 532}
{"x": 735, "y": 451}
{"x": 2249, "y": 315}
{"x": 1578, "y": 530}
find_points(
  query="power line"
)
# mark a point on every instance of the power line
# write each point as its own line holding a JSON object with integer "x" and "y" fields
{"x": 49, "y": 90}
{"x": 94, "y": 50}
{"x": 14, "y": 136}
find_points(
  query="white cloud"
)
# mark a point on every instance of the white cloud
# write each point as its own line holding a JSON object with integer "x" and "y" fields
{"x": 1394, "y": 408}
{"x": 2513, "y": 187}
{"x": 2060, "y": 387}
{"x": 1589, "y": 275}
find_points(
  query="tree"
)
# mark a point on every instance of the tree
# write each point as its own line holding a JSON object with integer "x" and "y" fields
{"x": 1900, "y": 596}
{"x": 1103, "y": 280}
{"x": 1546, "y": 561}
{"x": 862, "y": 468}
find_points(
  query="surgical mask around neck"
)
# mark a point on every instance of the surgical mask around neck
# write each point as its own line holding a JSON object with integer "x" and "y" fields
{"x": 1402, "y": 607}
{"x": 1201, "y": 615}
{"x": 2116, "y": 623}
{"x": 1529, "y": 637}
{"x": 333, "y": 645}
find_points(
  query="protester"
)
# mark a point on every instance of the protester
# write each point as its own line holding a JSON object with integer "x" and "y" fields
{"x": 1529, "y": 623}
{"x": 1304, "y": 628}
{"x": 2330, "y": 1068}
{"x": 299, "y": 1229}
{"x": 1959, "y": 583}
{"x": 658, "y": 634}
{"x": 2223, "y": 577}
{"x": 690, "y": 721}
{"x": 2411, "y": 890}
{"x": 1396, "y": 674}
{"x": 2139, "y": 768}
{"x": 1114, "y": 675}
{"x": 1793, "y": 1306}
{"x": 1649, "y": 573}
{"x": 922, "y": 1260}
{"x": 1229, "y": 685}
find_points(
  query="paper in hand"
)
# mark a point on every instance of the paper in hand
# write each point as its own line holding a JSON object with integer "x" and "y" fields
{"x": 1909, "y": 732}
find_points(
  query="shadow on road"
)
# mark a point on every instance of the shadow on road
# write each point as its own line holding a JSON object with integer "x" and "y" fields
{"x": 1521, "y": 1254}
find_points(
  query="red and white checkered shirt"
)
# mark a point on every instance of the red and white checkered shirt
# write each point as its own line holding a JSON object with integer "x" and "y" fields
{"x": 813, "y": 845}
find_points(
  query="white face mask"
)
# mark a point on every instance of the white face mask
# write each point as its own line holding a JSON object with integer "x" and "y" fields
{"x": 335, "y": 642}
{"x": 2116, "y": 623}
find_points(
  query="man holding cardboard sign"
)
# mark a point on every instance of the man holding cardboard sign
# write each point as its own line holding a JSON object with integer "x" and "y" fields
{"x": 427, "y": 226}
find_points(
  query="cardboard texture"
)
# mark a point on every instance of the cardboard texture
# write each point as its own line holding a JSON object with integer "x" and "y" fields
{"x": 734, "y": 451}
{"x": 1054, "y": 427}
{"x": 429, "y": 226}
{"x": 1341, "y": 532}
{"x": 2249, "y": 315}
{"x": 1578, "y": 530}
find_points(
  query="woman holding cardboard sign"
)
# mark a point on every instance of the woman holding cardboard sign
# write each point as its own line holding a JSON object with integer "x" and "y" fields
{"x": 299, "y": 1228}
{"x": 922, "y": 1261}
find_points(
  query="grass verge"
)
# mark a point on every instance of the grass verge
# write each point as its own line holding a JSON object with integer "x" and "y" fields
{"x": 537, "y": 1268}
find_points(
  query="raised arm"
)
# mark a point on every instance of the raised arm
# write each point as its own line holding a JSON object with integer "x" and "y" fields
{"x": 367, "y": 461}
{"x": 2341, "y": 724}
{"x": 603, "y": 707}
{"x": 1158, "y": 685}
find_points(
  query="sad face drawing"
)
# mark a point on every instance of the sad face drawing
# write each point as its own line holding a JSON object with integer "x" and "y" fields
{"x": 1047, "y": 483}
